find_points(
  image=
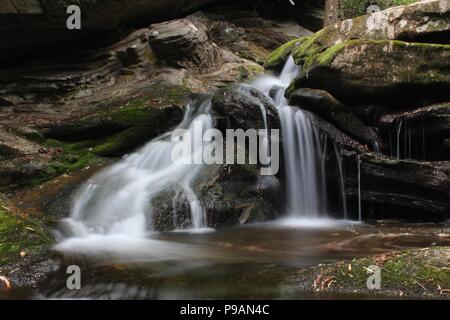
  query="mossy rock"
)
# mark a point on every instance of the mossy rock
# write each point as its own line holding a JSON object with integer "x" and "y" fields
{"x": 387, "y": 71}
{"x": 278, "y": 58}
{"x": 420, "y": 20}
{"x": 411, "y": 273}
{"x": 20, "y": 237}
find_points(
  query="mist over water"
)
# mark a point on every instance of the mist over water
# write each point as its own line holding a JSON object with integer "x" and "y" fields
{"x": 112, "y": 213}
{"x": 117, "y": 203}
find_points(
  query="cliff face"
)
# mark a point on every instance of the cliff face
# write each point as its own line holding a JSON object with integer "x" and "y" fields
{"x": 28, "y": 24}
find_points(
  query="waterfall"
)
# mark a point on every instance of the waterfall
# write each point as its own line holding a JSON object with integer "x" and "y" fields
{"x": 301, "y": 145}
{"x": 118, "y": 200}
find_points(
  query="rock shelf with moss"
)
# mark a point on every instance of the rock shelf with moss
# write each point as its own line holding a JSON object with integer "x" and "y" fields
{"x": 378, "y": 70}
{"x": 20, "y": 236}
{"x": 412, "y": 273}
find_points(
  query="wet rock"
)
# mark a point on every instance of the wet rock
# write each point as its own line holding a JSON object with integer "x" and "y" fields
{"x": 170, "y": 210}
{"x": 407, "y": 189}
{"x": 418, "y": 133}
{"x": 432, "y": 120}
{"x": 230, "y": 195}
{"x": 234, "y": 194}
{"x": 326, "y": 106}
{"x": 444, "y": 150}
{"x": 241, "y": 107}
{"x": 335, "y": 135}
{"x": 183, "y": 44}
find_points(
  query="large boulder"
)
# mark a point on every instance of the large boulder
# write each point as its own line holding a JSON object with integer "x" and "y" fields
{"x": 424, "y": 21}
{"x": 230, "y": 194}
{"x": 243, "y": 107}
{"x": 183, "y": 44}
{"x": 383, "y": 71}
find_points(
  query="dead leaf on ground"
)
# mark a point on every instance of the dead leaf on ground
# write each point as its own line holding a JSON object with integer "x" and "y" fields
{"x": 6, "y": 282}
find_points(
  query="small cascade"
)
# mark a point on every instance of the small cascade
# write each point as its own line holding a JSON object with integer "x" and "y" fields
{"x": 404, "y": 147}
{"x": 302, "y": 148}
{"x": 118, "y": 200}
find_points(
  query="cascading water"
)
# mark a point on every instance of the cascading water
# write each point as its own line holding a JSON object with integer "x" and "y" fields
{"x": 118, "y": 200}
{"x": 302, "y": 150}
{"x": 116, "y": 204}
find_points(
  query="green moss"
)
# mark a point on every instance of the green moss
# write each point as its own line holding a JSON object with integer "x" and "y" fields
{"x": 309, "y": 47}
{"x": 280, "y": 55}
{"x": 64, "y": 163}
{"x": 413, "y": 272}
{"x": 131, "y": 116}
{"x": 122, "y": 142}
{"x": 18, "y": 234}
{"x": 310, "y": 56}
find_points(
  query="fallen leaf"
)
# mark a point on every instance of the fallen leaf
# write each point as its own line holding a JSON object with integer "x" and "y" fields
{"x": 6, "y": 282}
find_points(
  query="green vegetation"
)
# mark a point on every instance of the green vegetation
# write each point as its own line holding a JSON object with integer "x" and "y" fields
{"x": 20, "y": 237}
{"x": 412, "y": 272}
{"x": 312, "y": 54}
{"x": 70, "y": 158}
{"x": 280, "y": 55}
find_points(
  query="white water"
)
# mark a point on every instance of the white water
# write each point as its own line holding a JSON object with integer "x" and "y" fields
{"x": 302, "y": 151}
{"x": 113, "y": 211}
{"x": 117, "y": 201}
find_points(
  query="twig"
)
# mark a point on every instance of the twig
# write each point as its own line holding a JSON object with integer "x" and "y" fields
{"x": 420, "y": 285}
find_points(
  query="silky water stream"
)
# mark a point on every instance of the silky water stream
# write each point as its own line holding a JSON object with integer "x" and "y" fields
{"x": 108, "y": 233}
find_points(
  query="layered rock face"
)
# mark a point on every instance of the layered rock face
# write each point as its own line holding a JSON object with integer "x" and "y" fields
{"x": 377, "y": 85}
{"x": 25, "y": 25}
{"x": 182, "y": 44}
